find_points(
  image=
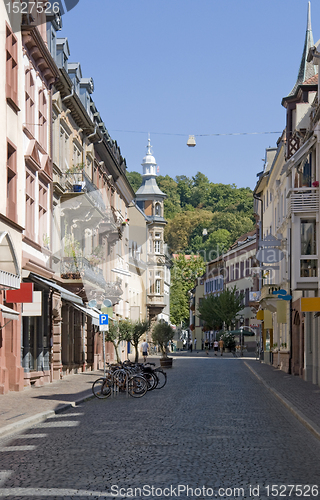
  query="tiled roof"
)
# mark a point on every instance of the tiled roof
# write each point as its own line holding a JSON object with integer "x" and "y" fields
{"x": 311, "y": 81}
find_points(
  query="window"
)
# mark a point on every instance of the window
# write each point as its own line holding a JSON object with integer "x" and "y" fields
{"x": 308, "y": 249}
{"x": 11, "y": 182}
{"x": 64, "y": 150}
{"x": 43, "y": 208}
{"x": 157, "y": 246}
{"x": 11, "y": 67}
{"x": 157, "y": 209}
{"x": 30, "y": 108}
{"x": 77, "y": 156}
{"x": 158, "y": 286}
{"x": 242, "y": 269}
{"x": 43, "y": 119}
{"x": 30, "y": 202}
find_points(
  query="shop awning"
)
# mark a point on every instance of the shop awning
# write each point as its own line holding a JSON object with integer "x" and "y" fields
{"x": 65, "y": 294}
{"x": 89, "y": 312}
{"x": 9, "y": 313}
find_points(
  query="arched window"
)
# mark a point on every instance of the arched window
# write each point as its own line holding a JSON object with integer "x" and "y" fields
{"x": 157, "y": 209}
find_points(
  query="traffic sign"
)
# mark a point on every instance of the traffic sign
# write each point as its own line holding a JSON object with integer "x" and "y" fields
{"x": 103, "y": 319}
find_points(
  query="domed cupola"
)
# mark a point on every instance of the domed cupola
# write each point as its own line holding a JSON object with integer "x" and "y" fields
{"x": 149, "y": 196}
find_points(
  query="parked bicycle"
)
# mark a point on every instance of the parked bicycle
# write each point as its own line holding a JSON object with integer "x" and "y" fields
{"x": 134, "y": 378}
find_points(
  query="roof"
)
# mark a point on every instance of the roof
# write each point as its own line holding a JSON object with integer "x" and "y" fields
{"x": 149, "y": 187}
{"x": 307, "y": 70}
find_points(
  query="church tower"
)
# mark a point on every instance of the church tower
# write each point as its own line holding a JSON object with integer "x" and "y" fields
{"x": 298, "y": 102}
{"x": 150, "y": 199}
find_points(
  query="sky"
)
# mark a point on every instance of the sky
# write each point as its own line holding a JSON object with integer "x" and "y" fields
{"x": 173, "y": 68}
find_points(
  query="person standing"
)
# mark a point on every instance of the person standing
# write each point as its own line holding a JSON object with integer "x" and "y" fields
{"x": 221, "y": 346}
{"x": 195, "y": 344}
{"x": 206, "y": 346}
{"x": 190, "y": 345}
{"x": 215, "y": 346}
{"x": 144, "y": 349}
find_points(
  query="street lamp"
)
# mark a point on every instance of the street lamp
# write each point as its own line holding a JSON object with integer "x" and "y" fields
{"x": 241, "y": 321}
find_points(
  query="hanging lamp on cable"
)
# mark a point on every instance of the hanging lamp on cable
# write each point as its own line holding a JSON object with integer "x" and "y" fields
{"x": 191, "y": 142}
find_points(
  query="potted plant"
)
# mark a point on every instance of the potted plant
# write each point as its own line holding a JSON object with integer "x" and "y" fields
{"x": 162, "y": 334}
{"x": 76, "y": 176}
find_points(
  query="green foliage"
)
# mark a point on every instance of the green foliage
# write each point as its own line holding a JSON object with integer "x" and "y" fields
{"x": 183, "y": 274}
{"x": 172, "y": 202}
{"x": 229, "y": 340}
{"x": 162, "y": 333}
{"x": 196, "y": 204}
{"x": 139, "y": 328}
{"x": 221, "y": 310}
{"x": 135, "y": 179}
{"x": 118, "y": 331}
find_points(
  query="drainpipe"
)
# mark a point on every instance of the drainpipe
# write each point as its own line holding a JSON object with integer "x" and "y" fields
{"x": 68, "y": 96}
{"x": 290, "y": 292}
{"x": 93, "y": 134}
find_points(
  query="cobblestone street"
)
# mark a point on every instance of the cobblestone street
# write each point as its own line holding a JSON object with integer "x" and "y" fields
{"x": 214, "y": 427}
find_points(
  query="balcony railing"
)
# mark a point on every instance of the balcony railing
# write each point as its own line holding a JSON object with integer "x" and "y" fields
{"x": 80, "y": 268}
{"x": 81, "y": 183}
{"x": 305, "y": 199}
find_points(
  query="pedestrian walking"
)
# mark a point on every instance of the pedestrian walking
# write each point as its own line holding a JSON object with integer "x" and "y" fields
{"x": 221, "y": 346}
{"x": 195, "y": 344}
{"x": 144, "y": 349}
{"x": 190, "y": 345}
{"x": 216, "y": 347}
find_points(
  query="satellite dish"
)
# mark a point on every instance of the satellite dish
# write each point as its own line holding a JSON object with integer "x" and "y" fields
{"x": 107, "y": 303}
{"x": 92, "y": 303}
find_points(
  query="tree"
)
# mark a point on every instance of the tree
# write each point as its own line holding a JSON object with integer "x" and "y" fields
{"x": 172, "y": 202}
{"x": 119, "y": 331}
{"x": 180, "y": 231}
{"x": 236, "y": 224}
{"x": 184, "y": 271}
{"x": 135, "y": 179}
{"x": 139, "y": 328}
{"x": 162, "y": 333}
{"x": 219, "y": 310}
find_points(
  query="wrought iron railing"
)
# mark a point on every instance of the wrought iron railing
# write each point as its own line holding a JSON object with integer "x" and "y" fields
{"x": 80, "y": 268}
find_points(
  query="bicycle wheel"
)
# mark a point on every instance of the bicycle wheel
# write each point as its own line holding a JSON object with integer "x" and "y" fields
{"x": 162, "y": 378}
{"x": 137, "y": 386}
{"x": 152, "y": 380}
{"x": 101, "y": 388}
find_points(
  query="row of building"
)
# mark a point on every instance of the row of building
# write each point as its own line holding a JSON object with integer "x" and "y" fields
{"x": 73, "y": 234}
{"x": 278, "y": 267}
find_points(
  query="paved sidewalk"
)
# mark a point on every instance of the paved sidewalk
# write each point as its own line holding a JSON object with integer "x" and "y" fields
{"x": 19, "y": 410}
{"x": 300, "y": 397}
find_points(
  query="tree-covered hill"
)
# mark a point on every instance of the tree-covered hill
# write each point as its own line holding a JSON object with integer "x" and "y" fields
{"x": 195, "y": 204}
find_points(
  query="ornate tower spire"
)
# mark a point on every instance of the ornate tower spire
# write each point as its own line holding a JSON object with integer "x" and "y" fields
{"x": 307, "y": 69}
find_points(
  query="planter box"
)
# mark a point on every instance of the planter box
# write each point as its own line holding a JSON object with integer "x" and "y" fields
{"x": 166, "y": 362}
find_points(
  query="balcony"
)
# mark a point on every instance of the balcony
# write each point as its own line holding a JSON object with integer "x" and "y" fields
{"x": 79, "y": 268}
{"x": 81, "y": 195}
{"x": 301, "y": 200}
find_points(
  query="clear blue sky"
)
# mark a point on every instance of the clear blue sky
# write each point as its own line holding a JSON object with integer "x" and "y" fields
{"x": 180, "y": 67}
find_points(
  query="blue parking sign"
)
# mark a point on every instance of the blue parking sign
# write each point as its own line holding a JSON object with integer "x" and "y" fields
{"x": 103, "y": 319}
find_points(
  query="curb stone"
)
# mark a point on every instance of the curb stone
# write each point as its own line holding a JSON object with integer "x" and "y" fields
{"x": 311, "y": 426}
